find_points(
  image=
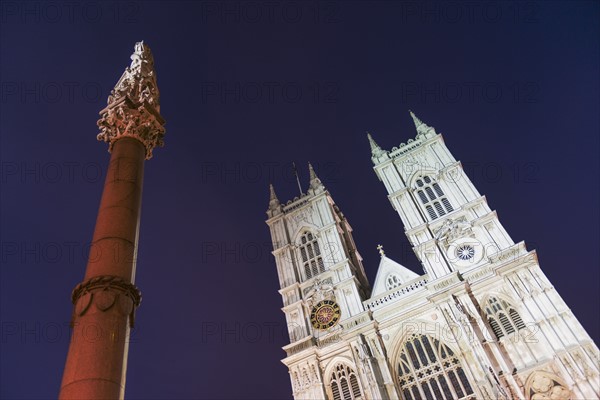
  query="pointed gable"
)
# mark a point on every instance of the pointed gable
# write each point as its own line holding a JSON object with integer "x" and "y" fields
{"x": 396, "y": 273}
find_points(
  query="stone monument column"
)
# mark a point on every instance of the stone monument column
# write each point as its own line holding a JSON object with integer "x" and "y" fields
{"x": 106, "y": 300}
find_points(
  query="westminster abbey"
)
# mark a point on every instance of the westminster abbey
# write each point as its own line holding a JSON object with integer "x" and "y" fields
{"x": 481, "y": 322}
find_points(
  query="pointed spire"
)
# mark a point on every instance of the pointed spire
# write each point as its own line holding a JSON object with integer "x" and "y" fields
{"x": 416, "y": 120}
{"x": 273, "y": 195}
{"x": 377, "y": 153}
{"x": 274, "y": 204}
{"x": 315, "y": 182}
{"x": 374, "y": 146}
{"x": 273, "y": 200}
{"x": 311, "y": 172}
{"x": 422, "y": 127}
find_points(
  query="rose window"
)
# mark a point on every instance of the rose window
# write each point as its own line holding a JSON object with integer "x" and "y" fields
{"x": 465, "y": 251}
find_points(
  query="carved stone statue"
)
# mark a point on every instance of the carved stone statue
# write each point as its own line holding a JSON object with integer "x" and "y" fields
{"x": 321, "y": 290}
{"x": 453, "y": 229}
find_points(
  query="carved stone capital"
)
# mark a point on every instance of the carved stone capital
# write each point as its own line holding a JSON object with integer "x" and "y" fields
{"x": 105, "y": 293}
{"x": 133, "y": 108}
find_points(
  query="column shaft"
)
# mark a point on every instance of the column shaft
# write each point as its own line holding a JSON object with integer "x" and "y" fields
{"x": 105, "y": 302}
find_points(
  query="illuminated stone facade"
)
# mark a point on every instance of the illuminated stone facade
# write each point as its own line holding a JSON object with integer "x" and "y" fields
{"x": 483, "y": 321}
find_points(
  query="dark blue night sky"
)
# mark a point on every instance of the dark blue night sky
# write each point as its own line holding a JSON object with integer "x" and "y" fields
{"x": 247, "y": 88}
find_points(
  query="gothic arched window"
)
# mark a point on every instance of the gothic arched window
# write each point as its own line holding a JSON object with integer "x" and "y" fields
{"x": 432, "y": 197}
{"x": 503, "y": 318}
{"x": 427, "y": 369}
{"x": 310, "y": 252}
{"x": 344, "y": 384}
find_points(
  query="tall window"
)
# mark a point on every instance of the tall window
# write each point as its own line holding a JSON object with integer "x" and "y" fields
{"x": 503, "y": 318}
{"x": 311, "y": 255}
{"x": 427, "y": 369}
{"x": 344, "y": 385}
{"x": 432, "y": 197}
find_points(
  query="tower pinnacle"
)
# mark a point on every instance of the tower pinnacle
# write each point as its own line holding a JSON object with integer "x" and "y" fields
{"x": 375, "y": 149}
{"x": 273, "y": 200}
{"x": 274, "y": 204}
{"x": 315, "y": 184}
{"x": 422, "y": 128}
{"x": 133, "y": 108}
{"x": 377, "y": 153}
{"x": 416, "y": 119}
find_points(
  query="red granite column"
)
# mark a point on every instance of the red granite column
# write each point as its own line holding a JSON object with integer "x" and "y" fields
{"x": 105, "y": 302}
{"x": 96, "y": 363}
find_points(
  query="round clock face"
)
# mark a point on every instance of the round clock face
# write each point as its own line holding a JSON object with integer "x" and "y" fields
{"x": 325, "y": 314}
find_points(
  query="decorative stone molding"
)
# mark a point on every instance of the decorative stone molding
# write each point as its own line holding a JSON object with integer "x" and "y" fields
{"x": 363, "y": 354}
{"x": 593, "y": 353}
{"x": 542, "y": 385}
{"x": 478, "y": 274}
{"x": 133, "y": 105}
{"x": 500, "y": 392}
{"x": 415, "y": 165}
{"x": 304, "y": 377}
{"x": 401, "y": 291}
{"x": 583, "y": 365}
{"x": 299, "y": 346}
{"x": 332, "y": 338}
{"x": 355, "y": 321}
{"x": 297, "y": 202}
{"x": 302, "y": 220}
{"x": 106, "y": 292}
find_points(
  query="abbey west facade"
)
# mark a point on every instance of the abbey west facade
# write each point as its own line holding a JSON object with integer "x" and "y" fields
{"x": 483, "y": 321}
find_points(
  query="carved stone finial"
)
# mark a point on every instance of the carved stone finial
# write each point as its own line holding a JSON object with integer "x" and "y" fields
{"x": 133, "y": 108}
{"x": 311, "y": 172}
{"x": 422, "y": 128}
{"x": 273, "y": 200}
{"x": 416, "y": 120}
{"x": 380, "y": 248}
{"x": 274, "y": 204}
{"x": 377, "y": 153}
{"x": 375, "y": 149}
